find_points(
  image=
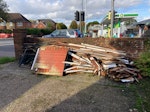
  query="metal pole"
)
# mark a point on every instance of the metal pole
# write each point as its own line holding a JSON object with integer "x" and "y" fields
{"x": 112, "y": 16}
{"x": 80, "y": 21}
{"x": 80, "y": 15}
{"x": 82, "y": 5}
{"x": 85, "y": 15}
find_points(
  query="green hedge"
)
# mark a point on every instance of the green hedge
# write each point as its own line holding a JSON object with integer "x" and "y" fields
{"x": 143, "y": 62}
{"x": 39, "y": 32}
{"x": 6, "y": 31}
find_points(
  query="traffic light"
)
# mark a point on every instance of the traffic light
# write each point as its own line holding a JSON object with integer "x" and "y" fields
{"x": 114, "y": 14}
{"x": 77, "y": 17}
{"x": 82, "y": 15}
{"x": 109, "y": 15}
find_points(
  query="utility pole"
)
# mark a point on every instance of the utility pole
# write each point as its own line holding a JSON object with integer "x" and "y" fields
{"x": 80, "y": 16}
{"x": 112, "y": 16}
{"x": 82, "y": 5}
{"x": 85, "y": 15}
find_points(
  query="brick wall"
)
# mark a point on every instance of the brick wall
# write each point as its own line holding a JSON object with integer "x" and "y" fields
{"x": 2, "y": 27}
{"x": 133, "y": 46}
{"x": 19, "y": 36}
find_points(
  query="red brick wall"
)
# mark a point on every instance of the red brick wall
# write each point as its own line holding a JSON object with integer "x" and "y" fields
{"x": 2, "y": 27}
{"x": 133, "y": 46}
{"x": 40, "y": 25}
{"x": 19, "y": 35}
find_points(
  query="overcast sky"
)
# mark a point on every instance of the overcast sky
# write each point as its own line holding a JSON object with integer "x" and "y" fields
{"x": 63, "y": 10}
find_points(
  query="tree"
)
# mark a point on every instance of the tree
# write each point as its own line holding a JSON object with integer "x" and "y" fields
{"x": 73, "y": 25}
{"x": 3, "y": 10}
{"x": 92, "y": 23}
{"x": 82, "y": 25}
{"x": 49, "y": 25}
{"x": 61, "y": 26}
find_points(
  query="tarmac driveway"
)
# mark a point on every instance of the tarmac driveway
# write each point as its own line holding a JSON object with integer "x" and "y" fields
{"x": 22, "y": 91}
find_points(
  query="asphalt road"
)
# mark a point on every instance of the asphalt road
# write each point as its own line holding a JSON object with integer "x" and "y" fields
{"x": 7, "y": 48}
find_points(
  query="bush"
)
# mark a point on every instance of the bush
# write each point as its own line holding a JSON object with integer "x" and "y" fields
{"x": 46, "y": 31}
{"x": 6, "y": 31}
{"x": 39, "y": 32}
{"x": 143, "y": 62}
{"x": 33, "y": 31}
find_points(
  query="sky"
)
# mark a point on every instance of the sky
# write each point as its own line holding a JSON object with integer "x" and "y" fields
{"x": 64, "y": 10}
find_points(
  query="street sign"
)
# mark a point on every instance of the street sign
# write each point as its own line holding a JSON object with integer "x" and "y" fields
{"x": 126, "y": 15}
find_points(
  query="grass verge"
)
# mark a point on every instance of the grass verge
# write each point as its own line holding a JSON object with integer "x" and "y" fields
{"x": 141, "y": 93}
{"x": 4, "y": 60}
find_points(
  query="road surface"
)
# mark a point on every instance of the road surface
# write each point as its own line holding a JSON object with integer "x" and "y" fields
{"x": 7, "y": 48}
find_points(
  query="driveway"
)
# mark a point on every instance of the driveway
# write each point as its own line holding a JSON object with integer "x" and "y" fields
{"x": 23, "y": 91}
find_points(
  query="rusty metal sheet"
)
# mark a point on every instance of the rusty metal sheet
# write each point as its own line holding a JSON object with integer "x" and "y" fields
{"x": 50, "y": 60}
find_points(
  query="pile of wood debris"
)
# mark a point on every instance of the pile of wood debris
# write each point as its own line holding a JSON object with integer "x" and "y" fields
{"x": 100, "y": 61}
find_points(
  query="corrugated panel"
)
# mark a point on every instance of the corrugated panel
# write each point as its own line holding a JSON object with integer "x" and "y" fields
{"x": 49, "y": 60}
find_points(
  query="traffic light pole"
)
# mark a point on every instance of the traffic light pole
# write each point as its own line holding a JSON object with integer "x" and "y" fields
{"x": 112, "y": 16}
{"x": 80, "y": 21}
{"x": 80, "y": 16}
{"x": 85, "y": 16}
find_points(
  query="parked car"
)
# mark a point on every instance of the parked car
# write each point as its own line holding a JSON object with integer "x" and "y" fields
{"x": 88, "y": 34}
{"x": 66, "y": 33}
{"x": 78, "y": 33}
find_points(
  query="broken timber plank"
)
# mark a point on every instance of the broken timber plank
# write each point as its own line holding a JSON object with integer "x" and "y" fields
{"x": 77, "y": 57}
{"x": 35, "y": 58}
{"x": 103, "y": 49}
{"x": 133, "y": 73}
{"x": 86, "y": 71}
{"x": 79, "y": 67}
{"x": 72, "y": 63}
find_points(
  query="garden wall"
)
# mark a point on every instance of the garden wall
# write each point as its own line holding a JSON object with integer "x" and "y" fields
{"x": 132, "y": 46}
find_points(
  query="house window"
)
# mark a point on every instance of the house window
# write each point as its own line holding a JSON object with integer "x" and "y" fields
{"x": 19, "y": 24}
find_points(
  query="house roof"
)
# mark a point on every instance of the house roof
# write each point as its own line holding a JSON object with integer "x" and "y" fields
{"x": 16, "y": 17}
{"x": 45, "y": 21}
{"x": 144, "y": 22}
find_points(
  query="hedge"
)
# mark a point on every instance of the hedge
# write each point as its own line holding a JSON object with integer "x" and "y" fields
{"x": 6, "y": 31}
{"x": 39, "y": 32}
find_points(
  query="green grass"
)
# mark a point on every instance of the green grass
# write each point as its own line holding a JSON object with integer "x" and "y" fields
{"x": 141, "y": 93}
{"x": 143, "y": 63}
{"x": 4, "y": 60}
{"x": 142, "y": 90}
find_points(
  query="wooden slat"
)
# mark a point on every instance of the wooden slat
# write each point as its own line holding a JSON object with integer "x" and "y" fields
{"x": 104, "y": 48}
{"x": 77, "y": 57}
{"x": 86, "y": 71}
{"x": 79, "y": 67}
{"x": 97, "y": 49}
